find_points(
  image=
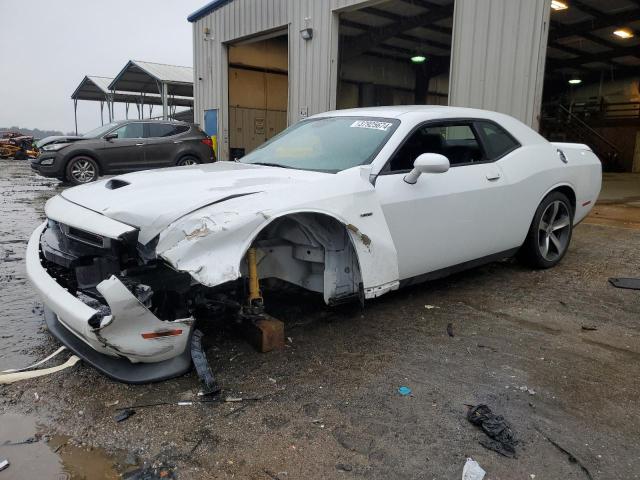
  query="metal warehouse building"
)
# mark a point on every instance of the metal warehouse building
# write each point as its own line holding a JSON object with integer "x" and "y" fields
{"x": 260, "y": 65}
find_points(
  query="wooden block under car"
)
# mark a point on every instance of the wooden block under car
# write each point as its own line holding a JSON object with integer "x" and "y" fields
{"x": 265, "y": 334}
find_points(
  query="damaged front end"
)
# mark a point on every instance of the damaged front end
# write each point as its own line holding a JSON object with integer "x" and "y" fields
{"x": 108, "y": 299}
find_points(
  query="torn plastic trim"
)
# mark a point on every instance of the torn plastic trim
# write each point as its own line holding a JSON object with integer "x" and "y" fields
{"x": 120, "y": 334}
{"x": 123, "y": 330}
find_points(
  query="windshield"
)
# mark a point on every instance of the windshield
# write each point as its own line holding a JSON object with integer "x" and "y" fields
{"x": 98, "y": 132}
{"x": 329, "y": 144}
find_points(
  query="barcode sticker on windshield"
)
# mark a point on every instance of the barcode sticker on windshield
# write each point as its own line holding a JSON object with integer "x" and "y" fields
{"x": 384, "y": 126}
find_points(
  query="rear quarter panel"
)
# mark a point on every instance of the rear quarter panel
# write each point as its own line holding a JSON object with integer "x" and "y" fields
{"x": 534, "y": 170}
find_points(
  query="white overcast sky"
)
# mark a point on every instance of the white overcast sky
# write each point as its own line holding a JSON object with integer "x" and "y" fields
{"x": 48, "y": 46}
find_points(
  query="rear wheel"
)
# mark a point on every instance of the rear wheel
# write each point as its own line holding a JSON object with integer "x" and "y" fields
{"x": 188, "y": 160}
{"x": 81, "y": 170}
{"x": 550, "y": 232}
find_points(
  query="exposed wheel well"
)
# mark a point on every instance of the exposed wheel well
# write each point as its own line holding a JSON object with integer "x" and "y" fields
{"x": 311, "y": 250}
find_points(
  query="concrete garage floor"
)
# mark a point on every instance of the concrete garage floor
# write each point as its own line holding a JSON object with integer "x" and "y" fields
{"x": 331, "y": 408}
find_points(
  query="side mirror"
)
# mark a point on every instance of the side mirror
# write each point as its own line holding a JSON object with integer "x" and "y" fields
{"x": 427, "y": 163}
{"x": 110, "y": 136}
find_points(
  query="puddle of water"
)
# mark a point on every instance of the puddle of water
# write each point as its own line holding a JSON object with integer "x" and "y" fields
{"x": 52, "y": 460}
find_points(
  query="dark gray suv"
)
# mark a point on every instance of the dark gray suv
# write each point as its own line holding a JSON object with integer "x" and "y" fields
{"x": 123, "y": 147}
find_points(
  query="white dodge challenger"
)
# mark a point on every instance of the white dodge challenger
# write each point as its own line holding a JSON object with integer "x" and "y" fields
{"x": 350, "y": 204}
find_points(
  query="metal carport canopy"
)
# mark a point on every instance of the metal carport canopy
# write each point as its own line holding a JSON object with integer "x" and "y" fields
{"x": 147, "y": 77}
{"x": 96, "y": 88}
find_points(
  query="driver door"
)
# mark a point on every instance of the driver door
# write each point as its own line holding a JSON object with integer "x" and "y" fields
{"x": 445, "y": 219}
{"x": 125, "y": 153}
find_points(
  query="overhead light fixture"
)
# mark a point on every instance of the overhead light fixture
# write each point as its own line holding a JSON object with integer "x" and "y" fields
{"x": 558, "y": 5}
{"x": 575, "y": 81}
{"x": 623, "y": 33}
{"x": 418, "y": 59}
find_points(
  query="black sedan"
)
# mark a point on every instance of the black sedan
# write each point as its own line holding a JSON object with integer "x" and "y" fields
{"x": 123, "y": 147}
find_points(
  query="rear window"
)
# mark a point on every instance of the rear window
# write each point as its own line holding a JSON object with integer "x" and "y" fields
{"x": 498, "y": 142}
{"x": 158, "y": 130}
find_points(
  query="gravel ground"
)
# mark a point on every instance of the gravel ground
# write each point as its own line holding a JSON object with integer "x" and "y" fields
{"x": 329, "y": 406}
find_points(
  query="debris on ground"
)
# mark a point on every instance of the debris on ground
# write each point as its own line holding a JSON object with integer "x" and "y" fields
{"x": 472, "y": 470}
{"x": 404, "y": 391}
{"x": 571, "y": 457}
{"x": 203, "y": 369}
{"x": 275, "y": 476}
{"x": 6, "y": 378}
{"x": 124, "y": 414}
{"x": 530, "y": 391}
{"x": 344, "y": 467}
{"x": 34, "y": 439}
{"x": 450, "y": 330}
{"x": 501, "y": 437}
{"x": 626, "y": 283}
{"x": 589, "y": 328}
{"x": 38, "y": 363}
{"x": 4, "y": 463}
{"x": 159, "y": 472}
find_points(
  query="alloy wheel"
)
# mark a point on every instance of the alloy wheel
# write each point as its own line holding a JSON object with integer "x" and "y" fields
{"x": 554, "y": 230}
{"x": 83, "y": 171}
{"x": 188, "y": 161}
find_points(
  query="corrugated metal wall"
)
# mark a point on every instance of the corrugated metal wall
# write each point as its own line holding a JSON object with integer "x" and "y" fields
{"x": 498, "y": 55}
{"x": 312, "y": 64}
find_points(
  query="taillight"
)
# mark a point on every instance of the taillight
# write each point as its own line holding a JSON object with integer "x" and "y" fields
{"x": 207, "y": 141}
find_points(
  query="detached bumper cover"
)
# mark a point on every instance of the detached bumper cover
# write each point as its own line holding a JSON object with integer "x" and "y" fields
{"x": 117, "y": 347}
{"x": 119, "y": 369}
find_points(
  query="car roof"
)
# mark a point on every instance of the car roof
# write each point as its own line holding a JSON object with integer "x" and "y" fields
{"x": 148, "y": 120}
{"x": 522, "y": 132}
{"x": 397, "y": 111}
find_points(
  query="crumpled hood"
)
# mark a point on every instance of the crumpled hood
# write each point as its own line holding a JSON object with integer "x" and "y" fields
{"x": 152, "y": 200}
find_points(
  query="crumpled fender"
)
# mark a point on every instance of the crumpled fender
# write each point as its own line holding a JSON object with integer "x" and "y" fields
{"x": 211, "y": 243}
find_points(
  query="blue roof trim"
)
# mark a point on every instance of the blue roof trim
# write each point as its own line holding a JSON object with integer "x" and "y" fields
{"x": 207, "y": 9}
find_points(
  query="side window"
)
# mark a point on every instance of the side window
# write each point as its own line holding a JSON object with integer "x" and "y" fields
{"x": 131, "y": 130}
{"x": 457, "y": 142}
{"x": 497, "y": 141}
{"x": 158, "y": 130}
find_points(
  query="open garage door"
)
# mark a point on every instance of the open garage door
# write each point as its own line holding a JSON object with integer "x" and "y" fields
{"x": 258, "y": 91}
{"x": 395, "y": 53}
{"x": 592, "y": 79}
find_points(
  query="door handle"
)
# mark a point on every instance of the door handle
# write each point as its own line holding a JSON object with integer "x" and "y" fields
{"x": 177, "y": 141}
{"x": 139, "y": 144}
{"x": 493, "y": 176}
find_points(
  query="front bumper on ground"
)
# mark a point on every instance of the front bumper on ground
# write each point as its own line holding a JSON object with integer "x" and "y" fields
{"x": 117, "y": 347}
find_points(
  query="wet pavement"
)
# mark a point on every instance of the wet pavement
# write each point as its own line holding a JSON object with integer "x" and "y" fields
{"x": 22, "y": 198}
{"x": 328, "y": 405}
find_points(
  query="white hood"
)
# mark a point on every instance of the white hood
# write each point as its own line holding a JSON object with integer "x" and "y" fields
{"x": 152, "y": 200}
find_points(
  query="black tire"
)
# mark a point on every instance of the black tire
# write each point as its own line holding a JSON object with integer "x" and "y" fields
{"x": 81, "y": 170}
{"x": 20, "y": 155}
{"x": 187, "y": 160}
{"x": 550, "y": 233}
